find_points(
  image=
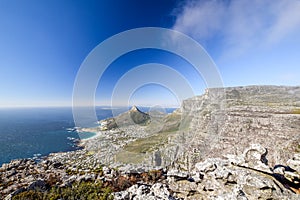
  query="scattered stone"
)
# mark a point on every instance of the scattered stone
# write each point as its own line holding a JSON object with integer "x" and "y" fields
{"x": 237, "y": 143}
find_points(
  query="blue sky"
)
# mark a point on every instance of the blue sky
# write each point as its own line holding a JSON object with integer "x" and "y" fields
{"x": 43, "y": 43}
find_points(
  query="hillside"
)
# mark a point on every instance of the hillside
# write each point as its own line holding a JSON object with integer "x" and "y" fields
{"x": 131, "y": 117}
{"x": 223, "y": 120}
{"x": 229, "y": 143}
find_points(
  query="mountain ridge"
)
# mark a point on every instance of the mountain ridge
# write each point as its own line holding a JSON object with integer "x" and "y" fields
{"x": 229, "y": 143}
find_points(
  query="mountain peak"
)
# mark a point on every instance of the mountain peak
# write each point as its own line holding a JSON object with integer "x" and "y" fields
{"x": 134, "y": 108}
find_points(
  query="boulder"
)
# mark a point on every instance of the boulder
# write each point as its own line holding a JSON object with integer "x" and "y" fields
{"x": 38, "y": 185}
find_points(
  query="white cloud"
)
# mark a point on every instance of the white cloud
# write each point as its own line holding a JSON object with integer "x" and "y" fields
{"x": 239, "y": 24}
{"x": 287, "y": 21}
{"x": 200, "y": 19}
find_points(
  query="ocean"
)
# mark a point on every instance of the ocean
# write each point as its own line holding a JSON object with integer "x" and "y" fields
{"x": 36, "y": 132}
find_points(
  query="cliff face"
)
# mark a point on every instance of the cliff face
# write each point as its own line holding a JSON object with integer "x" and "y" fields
{"x": 221, "y": 121}
{"x": 232, "y": 143}
{"x": 226, "y": 121}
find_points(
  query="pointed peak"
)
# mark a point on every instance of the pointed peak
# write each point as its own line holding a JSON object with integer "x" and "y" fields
{"x": 134, "y": 108}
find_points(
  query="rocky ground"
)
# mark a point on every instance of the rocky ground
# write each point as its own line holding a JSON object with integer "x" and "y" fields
{"x": 245, "y": 176}
{"x": 233, "y": 143}
{"x": 230, "y": 177}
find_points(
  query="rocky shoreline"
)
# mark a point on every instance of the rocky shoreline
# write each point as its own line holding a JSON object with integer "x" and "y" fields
{"x": 232, "y": 143}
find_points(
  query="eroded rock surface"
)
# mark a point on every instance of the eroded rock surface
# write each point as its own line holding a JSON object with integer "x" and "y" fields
{"x": 234, "y": 177}
{"x": 245, "y": 176}
{"x": 226, "y": 120}
{"x": 232, "y": 143}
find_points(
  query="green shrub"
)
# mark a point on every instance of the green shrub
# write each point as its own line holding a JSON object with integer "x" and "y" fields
{"x": 297, "y": 149}
{"x": 83, "y": 190}
{"x": 28, "y": 195}
{"x": 296, "y": 111}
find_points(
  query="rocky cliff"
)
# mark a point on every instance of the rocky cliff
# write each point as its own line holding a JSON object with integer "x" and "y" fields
{"x": 223, "y": 120}
{"x": 229, "y": 143}
{"x": 226, "y": 121}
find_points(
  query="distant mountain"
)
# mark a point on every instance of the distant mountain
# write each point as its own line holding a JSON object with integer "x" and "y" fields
{"x": 229, "y": 143}
{"x": 222, "y": 121}
{"x": 131, "y": 117}
{"x": 137, "y": 116}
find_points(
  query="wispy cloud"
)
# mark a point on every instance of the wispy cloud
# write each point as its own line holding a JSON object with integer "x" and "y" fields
{"x": 239, "y": 25}
{"x": 200, "y": 19}
{"x": 287, "y": 20}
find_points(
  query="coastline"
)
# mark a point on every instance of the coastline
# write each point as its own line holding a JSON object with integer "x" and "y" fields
{"x": 112, "y": 156}
{"x": 84, "y": 132}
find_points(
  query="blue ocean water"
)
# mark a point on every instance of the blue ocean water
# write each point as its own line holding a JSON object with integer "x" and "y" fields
{"x": 27, "y": 132}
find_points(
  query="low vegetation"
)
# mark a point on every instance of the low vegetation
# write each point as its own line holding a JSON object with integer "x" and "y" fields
{"x": 135, "y": 151}
{"x": 296, "y": 111}
{"x": 90, "y": 190}
{"x": 296, "y": 148}
{"x": 82, "y": 190}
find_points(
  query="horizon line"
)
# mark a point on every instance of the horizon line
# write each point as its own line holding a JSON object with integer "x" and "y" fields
{"x": 84, "y": 106}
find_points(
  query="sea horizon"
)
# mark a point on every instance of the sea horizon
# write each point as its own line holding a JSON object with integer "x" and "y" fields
{"x": 38, "y": 131}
